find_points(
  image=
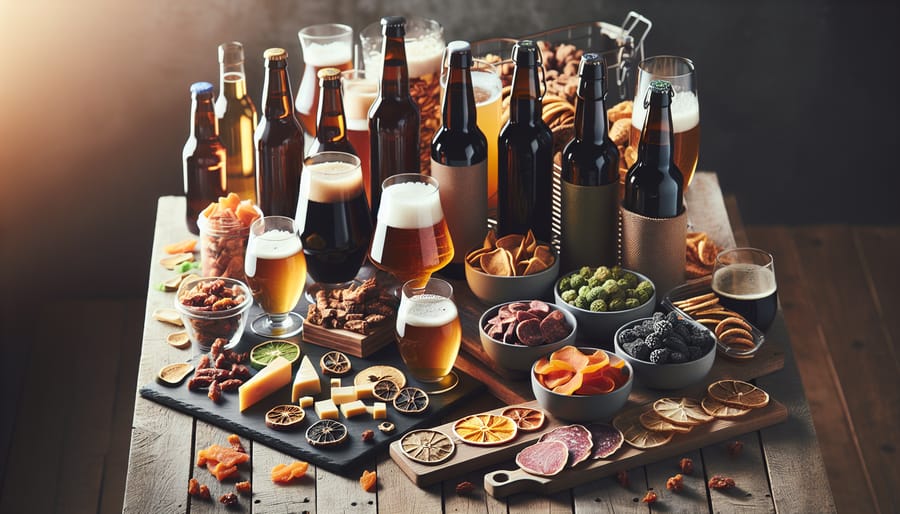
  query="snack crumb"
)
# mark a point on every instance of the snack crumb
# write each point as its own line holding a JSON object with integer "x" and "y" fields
{"x": 464, "y": 488}
{"x": 675, "y": 483}
{"x": 686, "y": 465}
{"x": 650, "y": 497}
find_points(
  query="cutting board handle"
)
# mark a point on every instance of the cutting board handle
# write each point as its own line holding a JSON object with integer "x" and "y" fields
{"x": 503, "y": 483}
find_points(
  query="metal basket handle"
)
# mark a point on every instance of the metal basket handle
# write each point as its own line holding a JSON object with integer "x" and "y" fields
{"x": 634, "y": 30}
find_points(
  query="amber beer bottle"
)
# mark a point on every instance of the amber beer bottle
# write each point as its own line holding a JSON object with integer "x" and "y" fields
{"x": 203, "y": 156}
{"x": 459, "y": 159}
{"x": 279, "y": 141}
{"x": 237, "y": 119}
{"x": 394, "y": 116}
{"x": 331, "y": 125}
{"x": 654, "y": 184}
{"x": 590, "y": 175}
{"x": 525, "y": 153}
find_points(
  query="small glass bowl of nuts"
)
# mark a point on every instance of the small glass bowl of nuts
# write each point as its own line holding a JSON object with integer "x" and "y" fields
{"x": 212, "y": 308}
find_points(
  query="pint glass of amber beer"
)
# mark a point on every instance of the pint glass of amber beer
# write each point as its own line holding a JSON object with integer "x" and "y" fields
{"x": 411, "y": 239}
{"x": 429, "y": 332}
{"x": 333, "y": 218}
{"x": 276, "y": 272}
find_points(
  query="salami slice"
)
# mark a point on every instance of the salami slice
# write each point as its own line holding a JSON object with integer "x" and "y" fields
{"x": 529, "y": 332}
{"x": 545, "y": 458}
{"x": 607, "y": 440}
{"x": 577, "y": 439}
{"x": 538, "y": 308}
{"x": 523, "y": 315}
{"x": 554, "y": 327}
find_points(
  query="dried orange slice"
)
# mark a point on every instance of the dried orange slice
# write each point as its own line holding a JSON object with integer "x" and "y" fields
{"x": 527, "y": 419}
{"x": 285, "y": 417}
{"x": 411, "y": 400}
{"x": 335, "y": 363}
{"x": 385, "y": 390}
{"x": 427, "y": 446}
{"x": 636, "y": 435}
{"x": 738, "y": 393}
{"x": 720, "y": 410}
{"x": 326, "y": 432}
{"x": 485, "y": 429}
{"x": 650, "y": 420}
{"x": 681, "y": 411}
{"x": 373, "y": 374}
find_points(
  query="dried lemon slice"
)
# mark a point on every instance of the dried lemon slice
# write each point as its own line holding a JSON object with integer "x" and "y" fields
{"x": 411, "y": 400}
{"x": 527, "y": 419}
{"x": 485, "y": 429}
{"x": 681, "y": 411}
{"x": 385, "y": 390}
{"x": 638, "y": 436}
{"x": 335, "y": 363}
{"x": 720, "y": 410}
{"x": 284, "y": 417}
{"x": 373, "y": 374}
{"x": 738, "y": 393}
{"x": 650, "y": 420}
{"x": 326, "y": 432}
{"x": 427, "y": 446}
{"x": 266, "y": 352}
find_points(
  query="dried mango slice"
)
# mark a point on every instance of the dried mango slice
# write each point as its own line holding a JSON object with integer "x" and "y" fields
{"x": 570, "y": 355}
{"x": 572, "y": 385}
{"x": 555, "y": 379}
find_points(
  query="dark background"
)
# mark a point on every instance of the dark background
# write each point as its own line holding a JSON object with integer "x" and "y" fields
{"x": 798, "y": 116}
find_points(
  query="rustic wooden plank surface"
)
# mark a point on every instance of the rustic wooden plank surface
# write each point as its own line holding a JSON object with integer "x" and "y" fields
{"x": 608, "y": 496}
{"x": 693, "y": 498}
{"x": 299, "y": 495}
{"x": 747, "y": 468}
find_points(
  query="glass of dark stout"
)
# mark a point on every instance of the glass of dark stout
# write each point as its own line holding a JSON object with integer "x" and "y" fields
{"x": 744, "y": 280}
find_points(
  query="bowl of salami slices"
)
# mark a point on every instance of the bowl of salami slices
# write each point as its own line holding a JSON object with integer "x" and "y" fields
{"x": 515, "y": 334}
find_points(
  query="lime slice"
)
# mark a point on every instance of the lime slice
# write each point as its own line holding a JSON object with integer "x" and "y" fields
{"x": 266, "y": 352}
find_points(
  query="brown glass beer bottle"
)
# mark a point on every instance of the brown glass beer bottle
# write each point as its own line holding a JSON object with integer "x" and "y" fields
{"x": 525, "y": 153}
{"x": 203, "y": 157}
{"x": 279, "y": 141}
{"x": 459, "y": 159}
{"x": 590, "y": 175}
{"x": 394, "y": 116}
{"x": 331, "y": 125}
{"x": 237, "y": 119}
{"x": 654, "y": 184}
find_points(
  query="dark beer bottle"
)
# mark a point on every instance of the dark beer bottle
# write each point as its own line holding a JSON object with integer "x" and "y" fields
{"x": 590, "y": 175}
{"x": 394, "y": 115}
{"x": 459, "y": 159}
{"x": 331, "y": 125}
{"x": 237, "y": 119}
{"x": 203, "y": 156}
{"x": 279, "y": 142}
{"x": 654, "y": 184}
{"x": 525, "y": 153}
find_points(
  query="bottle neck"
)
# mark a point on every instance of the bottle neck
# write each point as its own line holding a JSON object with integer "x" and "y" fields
{"x": 277, "y": 101}
{"x": 232, "y": 80}
{"x": 394, "y": 74}
{"x": 656, "y": 145}
{"x": 203, "y": 118}
{"x": 591, "y": 123}
{"x": 458, "y": 113}
{"x": 525, "y": 101}
{"x": 331, "y": 126}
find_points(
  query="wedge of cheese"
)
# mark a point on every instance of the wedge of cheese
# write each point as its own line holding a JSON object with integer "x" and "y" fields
{"x": 354, "y": 408}
{"x": 273, "y": 377}
{"x": 306, "y": 383}
{"x": 326, "y": 409}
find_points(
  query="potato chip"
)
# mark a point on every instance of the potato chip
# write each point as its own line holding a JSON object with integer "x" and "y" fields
{"x": 474, "y": 255}
{"x": 522, "y": 255}
{"x": 510, "y": 242}
{"x": 534, "y": 265}
{"x": 545, "y": 255}
{"x": 490, "y": 240}
{"x": 497, "y": 262}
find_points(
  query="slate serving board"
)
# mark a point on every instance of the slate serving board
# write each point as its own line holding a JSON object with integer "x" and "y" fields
{"x": 339, "y": 459}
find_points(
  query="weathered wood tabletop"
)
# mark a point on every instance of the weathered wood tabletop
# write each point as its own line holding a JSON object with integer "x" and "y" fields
{"x": 779, "y": 470}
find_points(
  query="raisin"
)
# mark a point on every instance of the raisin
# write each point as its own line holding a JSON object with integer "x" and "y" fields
{"x": 675, "y": 483}
{"x": 193, "y": 487}
{"x": 686, "y": 465}
{"x": 243, "y": 487}
{"x": 228, "y": 499}
{"x": 720, "y": 482}
{"x": 204, "y": 492}
{"x": 368, "y": 435}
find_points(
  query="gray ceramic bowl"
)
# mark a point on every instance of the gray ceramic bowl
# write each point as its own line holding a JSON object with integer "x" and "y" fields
{"x": 600, "y": 327}
{"x": 667, "y": 376}
{"x": 594, "y": 407}
{"x": 493, "y": 289}
{"x": 516, "y": 357}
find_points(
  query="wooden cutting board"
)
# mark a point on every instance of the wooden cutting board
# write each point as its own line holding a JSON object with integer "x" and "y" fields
{"x": 506, "y": 482}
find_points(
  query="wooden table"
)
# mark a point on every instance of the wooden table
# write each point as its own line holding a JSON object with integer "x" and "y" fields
{"x": 780, "y": 468}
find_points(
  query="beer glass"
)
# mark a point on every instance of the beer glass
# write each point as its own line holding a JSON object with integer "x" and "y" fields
{"x": 429, "y": 333}
{"x": 276, "y": 272}
{"x": 744, "y": 280}
{"x": 333, "y": 219}
{"x": 324, "y": 46}
{"x": 680, "y": 72}
{"x": 411, "y": 239}
{"x": 359, "y": 93}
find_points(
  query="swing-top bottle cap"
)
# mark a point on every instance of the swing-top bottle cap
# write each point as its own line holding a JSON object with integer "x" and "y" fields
{"x": 198, "y": 88}
{"x": 275, "y": 54}
{"x": 592, "y": 67}
{"x": 525, "y": 53}
{"x": 661, "y": 86}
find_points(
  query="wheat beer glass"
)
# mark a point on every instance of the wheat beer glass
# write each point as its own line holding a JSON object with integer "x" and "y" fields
{"x": 429, "y": 333}
{"x": 744, "y": 280}
{"x": 324, "y": 46}
{"x": 679, "y": 72}
{"x": 333, "y": 218}
{"x": 411, "y": 239}
{"x": 276, "y": 272}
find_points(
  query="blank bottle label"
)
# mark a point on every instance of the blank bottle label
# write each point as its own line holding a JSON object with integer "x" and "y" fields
{"x": 464, "y": 200}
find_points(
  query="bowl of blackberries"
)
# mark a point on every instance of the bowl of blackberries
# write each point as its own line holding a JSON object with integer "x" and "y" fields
{"x": 605, "y": 298}
{"x": 667, "y": 351}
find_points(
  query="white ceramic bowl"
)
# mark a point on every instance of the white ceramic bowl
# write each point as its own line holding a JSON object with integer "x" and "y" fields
{"x": 493, "y": 289}
{"x": 517, "y": 357}
{"x": 594, "y": 407}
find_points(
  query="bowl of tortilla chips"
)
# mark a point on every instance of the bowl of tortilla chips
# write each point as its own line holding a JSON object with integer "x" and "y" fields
{"x": 510, "y": 268}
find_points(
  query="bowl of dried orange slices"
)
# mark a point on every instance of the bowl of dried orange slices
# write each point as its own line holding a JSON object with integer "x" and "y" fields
{"x": 510, "y": 268}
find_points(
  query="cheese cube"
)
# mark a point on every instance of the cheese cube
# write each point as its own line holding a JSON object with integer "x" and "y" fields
{"x": 379, "y": 410}
{"x": 306, "y": 401}
{"x": 326, "y": 409}
{"x": 273, "y": 377}
{"x": 341, "y": 395}
{"x": 307, "y": 380}
{"x": 335, "y": 382}
{"x": 364, "y": 391}
{"x": 354, "y": 408}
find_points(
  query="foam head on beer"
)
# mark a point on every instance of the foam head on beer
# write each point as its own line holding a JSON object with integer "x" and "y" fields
{"x": 331, "y": 182}
{"x": 425, "y": 310}
{"x": 271, "y": 245}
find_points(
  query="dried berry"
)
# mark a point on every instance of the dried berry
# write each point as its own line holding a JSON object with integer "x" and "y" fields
{"x": 734, "y": 448}
{"x": 720, "y": 482}
{"x": 228, "y": 499}
{"x": 650, "y": 497}
{"x": 204, "y": 492}
{"x": 686, "y": 465}
{"x": 675, "y": 483}
{"x": 193, "y": 487}
{"x": 464, "y": 488}
{"x": 368, "y": 435}
{"x": 243, "y": 487}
